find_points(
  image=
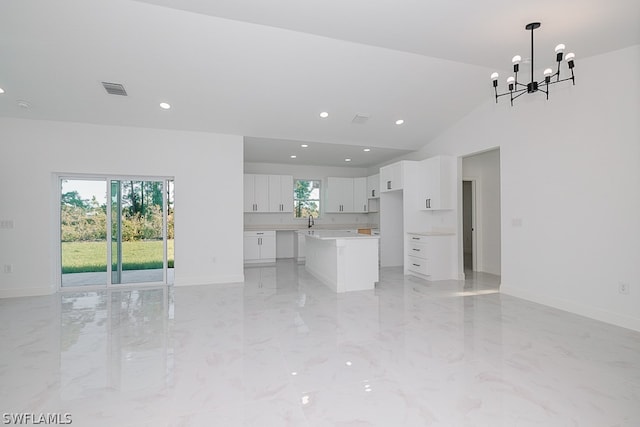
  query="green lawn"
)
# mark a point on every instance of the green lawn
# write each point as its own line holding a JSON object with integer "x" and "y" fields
{"x": 82, "y": 257}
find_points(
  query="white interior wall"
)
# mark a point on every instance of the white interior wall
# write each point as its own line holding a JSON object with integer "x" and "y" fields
{"x": 485, "y": 168}
{"x": 208, "y": 194}
{"x": 391, "y": 229}
{"x": 570, "y": 173}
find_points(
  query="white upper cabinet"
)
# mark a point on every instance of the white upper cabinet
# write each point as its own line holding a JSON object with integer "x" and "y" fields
{"x": 360, "y": 199}
{"x": 256, "y": 193}
{"x": 391, "y": 177}
{"x": 268, "y": 193}
{"x": 438, "y": 189}
{"x": 339, "y": 195}
{"x": 373, "y": 186}
{"x": 280, "y": 193}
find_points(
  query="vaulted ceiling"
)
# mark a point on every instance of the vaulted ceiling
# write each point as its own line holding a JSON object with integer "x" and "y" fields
{"x": 266, "y": 69}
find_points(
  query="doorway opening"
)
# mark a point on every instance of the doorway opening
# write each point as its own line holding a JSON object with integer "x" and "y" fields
{"x": 116, "y": 231}
{"x": 468, "y": 224}
{"x": 481, "y": 213}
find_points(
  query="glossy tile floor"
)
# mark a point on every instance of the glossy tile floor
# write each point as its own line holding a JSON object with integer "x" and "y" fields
{"x": 283, "y": 350}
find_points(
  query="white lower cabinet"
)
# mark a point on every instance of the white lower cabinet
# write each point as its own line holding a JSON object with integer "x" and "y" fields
{"x": 259, "y": 246}
{"x": 430, "y": 256}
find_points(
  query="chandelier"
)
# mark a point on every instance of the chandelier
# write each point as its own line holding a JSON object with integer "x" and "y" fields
{"x": 517, "y": 89}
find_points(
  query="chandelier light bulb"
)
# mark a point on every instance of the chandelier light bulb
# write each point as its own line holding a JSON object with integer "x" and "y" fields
{"x": 548, "y": 72}
{"x": 511, "y": 82}
{"x": 516, "y": 59}
{"x": 494, "y": 79}
{"x": 560, "y": 48}
{"x": 570, "y": 56}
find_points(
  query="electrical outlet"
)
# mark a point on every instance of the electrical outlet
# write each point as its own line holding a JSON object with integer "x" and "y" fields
{"x": 6, "y": 224}
{"x": 623, "y": 288}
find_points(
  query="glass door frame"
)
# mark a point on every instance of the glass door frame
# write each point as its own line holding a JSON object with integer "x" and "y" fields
{"x": 59, "y": 177}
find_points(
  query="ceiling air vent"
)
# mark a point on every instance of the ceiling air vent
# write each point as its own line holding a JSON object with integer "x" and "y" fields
{"x": 360, "y": 118}
{"x": 114, "y": 89}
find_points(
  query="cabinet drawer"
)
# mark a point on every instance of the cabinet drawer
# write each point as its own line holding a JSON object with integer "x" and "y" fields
{"x": 418, "y": 265}
{"x": 418, "y": 250}
{"x": 416, "y": 238}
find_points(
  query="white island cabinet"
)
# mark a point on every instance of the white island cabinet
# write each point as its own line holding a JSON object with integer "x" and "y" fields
{"x": 343, "y": 261}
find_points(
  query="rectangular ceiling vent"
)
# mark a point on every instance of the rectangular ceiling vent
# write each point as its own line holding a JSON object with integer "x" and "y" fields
{"x": 114, "y": 89}
{"x": 360, "y": 118}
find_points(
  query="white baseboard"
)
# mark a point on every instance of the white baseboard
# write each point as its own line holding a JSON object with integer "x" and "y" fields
{"x": 26, "y": 292}
{"x": 582, "y": 310}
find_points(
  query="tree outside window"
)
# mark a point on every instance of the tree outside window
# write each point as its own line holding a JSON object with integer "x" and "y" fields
{"x": 306, "y": 198}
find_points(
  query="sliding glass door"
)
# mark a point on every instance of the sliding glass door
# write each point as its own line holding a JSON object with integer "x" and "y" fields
{"x": 83, "y": 231}
{"x": 128, "y": 240}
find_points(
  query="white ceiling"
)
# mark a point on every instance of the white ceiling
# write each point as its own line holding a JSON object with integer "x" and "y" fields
{"x": 266, "y": 69}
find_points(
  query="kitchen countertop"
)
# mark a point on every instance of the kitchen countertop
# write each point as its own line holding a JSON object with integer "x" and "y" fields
{"x": 334, "y": 234}
{"x": 304, "y": 226}
{"x": 432, "y": 233}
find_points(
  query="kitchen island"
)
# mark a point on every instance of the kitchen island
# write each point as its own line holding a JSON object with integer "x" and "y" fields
{"x": 342, "y": 260}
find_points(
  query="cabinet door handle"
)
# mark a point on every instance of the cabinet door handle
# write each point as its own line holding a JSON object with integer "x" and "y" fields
{"x": 416, "y": 265}
{"x": 364, "y": 208}
{"x": 388, "y": 185}
{"x": 373, "y": 193}
{"x": 415, "y": 238}
{"x": 259, "y": 241}
{"x": 259, "y": 234}
{"x": 417, "y": 250}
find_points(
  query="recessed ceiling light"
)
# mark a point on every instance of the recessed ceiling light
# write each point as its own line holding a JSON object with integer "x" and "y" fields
{"x": 165, "y": 106}
{"x": 347, "y": 160}
{"x": 324, "y": 114}
{"x": 293, "y": 156}
{"x": 1, "y": 90}
{"x": 304, "y": 145}
{"x": 367, "y": 149}
{"x": 23, "y": 104}
{"x": 399, "y": 121}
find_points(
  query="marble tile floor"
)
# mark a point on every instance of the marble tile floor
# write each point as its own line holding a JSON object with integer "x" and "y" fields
{"x": 283, "y": 350}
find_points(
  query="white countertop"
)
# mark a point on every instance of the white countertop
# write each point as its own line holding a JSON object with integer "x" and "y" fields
{"x": 302, "y": 226}
{"x": 432, "y": 233}
{"x": 336, "y": 234}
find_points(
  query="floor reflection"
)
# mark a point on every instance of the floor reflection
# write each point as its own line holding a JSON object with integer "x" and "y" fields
{"x": 115, "y": 340}
{"x": 282, "y": 349}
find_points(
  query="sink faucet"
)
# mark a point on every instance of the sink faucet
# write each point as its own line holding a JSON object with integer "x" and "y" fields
{"x": 311, "y": 222}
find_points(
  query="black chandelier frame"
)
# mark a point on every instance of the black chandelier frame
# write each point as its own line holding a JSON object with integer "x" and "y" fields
{"x": 517, "y": 89}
